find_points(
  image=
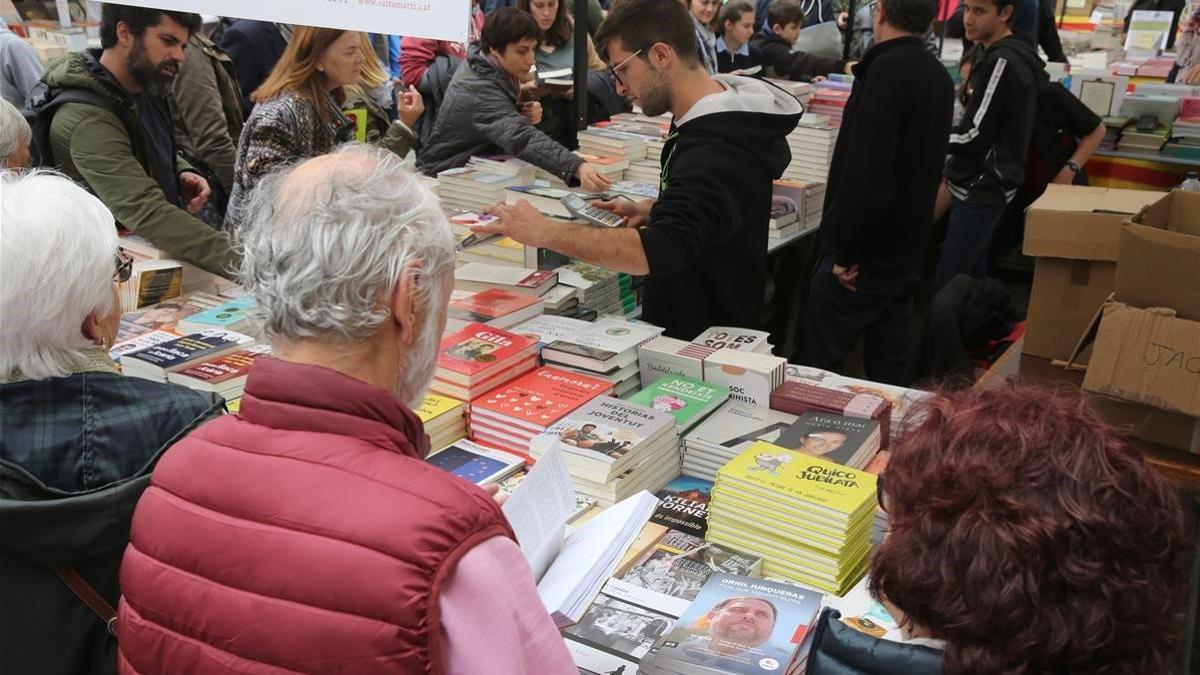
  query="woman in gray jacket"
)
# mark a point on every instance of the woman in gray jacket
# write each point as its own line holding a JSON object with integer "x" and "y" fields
{"x": 482, "y": 113}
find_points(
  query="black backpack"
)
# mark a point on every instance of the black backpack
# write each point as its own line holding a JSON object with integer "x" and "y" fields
{"x": 44, "y": 101}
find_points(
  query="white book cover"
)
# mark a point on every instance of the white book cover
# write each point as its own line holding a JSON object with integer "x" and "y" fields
{"x": 604, "y": 341}
{"x": 739, "y": 339}
{"x": 736, "y": 426}
{"x": 668, "y": 356}
{"x": 750, "y": 377}
{"x": 607, "y": 431}
{"x": 547, "y": 328}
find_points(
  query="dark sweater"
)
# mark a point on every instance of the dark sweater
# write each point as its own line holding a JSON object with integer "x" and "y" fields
{"x": 988, "y": 148}
{"x": 784, "y": 63}
{"x": 888, "y": 159}
{"x": 727, "y": 62}
{"x": 707, "y": 240}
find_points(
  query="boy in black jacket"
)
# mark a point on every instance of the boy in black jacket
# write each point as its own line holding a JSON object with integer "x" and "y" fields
{"x": 986, "y": 164}
{"x": 703, "y": 243}
{"x": 883, "y": 181}
{"x": 785, "y": 18}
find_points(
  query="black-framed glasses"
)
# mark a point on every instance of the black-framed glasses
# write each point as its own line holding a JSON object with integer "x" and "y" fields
{"x": 879, "y": 492}
{"x": 124, "y": 267}
{"x": 616, "y": 70}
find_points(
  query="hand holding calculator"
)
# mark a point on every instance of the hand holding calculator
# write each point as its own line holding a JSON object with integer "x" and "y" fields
{"x": 591, "y": 213}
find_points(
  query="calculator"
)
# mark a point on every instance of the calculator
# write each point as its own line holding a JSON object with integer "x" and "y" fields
{"x": 593, "y": 214}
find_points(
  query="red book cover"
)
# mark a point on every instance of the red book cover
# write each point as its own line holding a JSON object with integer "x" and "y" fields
{"x": 542, "y": 397}
{"x": 222, "y": 369}
{"x": 1189, "y": 106}
{"x": 477, "y": 348}
{"x": 536, "y": 279}
{"x": 490, "y": 304}
{"x": 797, "y": 398}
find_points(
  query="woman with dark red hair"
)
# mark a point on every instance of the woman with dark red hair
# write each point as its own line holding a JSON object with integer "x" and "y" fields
{"x": 1026, "y": 536}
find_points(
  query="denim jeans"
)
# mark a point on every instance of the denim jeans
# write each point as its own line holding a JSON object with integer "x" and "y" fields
{"x": 968, "y": 235}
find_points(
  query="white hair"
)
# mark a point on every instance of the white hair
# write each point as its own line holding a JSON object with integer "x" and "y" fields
{"x": 58, "y": 247}
{"x": 14, "y": 132}
{"x": 323, "y": 259}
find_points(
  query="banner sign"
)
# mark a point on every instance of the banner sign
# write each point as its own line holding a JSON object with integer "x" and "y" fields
{"x": 435, "y": 19}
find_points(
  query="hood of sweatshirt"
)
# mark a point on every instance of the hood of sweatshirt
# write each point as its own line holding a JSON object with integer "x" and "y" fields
{"x": 750, "y": 113}
{"x": 82, "y": 70}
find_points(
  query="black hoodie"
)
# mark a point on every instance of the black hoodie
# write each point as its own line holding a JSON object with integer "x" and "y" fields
{"x": 707, "y": 239}
{"x": 987, "y": 150}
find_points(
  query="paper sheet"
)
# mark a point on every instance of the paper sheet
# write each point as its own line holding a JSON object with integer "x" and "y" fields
{"x": 538, "y": 510}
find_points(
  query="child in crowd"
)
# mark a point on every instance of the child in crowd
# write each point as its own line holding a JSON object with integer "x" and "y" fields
{"x": 735, "y": 54}
{"x": 784, "y": 20}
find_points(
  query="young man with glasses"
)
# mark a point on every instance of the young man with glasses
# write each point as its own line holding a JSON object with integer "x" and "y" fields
{"x": 883, "y": 181}
{"x": 703, "y": 243}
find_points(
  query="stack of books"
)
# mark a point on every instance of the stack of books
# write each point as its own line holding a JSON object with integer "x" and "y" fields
{"x": 1185, "y": 132}
{"x": 482, "y": 276}
{"x": 1143, "y": 141}
{"x": 498, "y": 251}
{"x": 830, "y": 101}
{"x": 616, "y": 144}
{"x": 165, "y": 316}
{"x": 798, "y": 398}
{"x": 687, "y": 399}
{"x": 737, "y": 624}
{"x": 150, "y": 281}
{"x": 546, "y": 199}
{"x": 476, "y": 463}
{"x": 224, "y": 375}
{"x": 479, "y": 358}
{"x": 750, "y": 377}
{"x": 548, "y": 328}
{"x": 654, "y": 150}
{"x": 504, "y": 165}
{"x": 511, "y": 415}
{"x": 647, "y": 171}
{"x": 902, "y": 400}
{"x": 807, "y": 195}
{"x": 727, "y": 433}
{"x": 738, "y": 339}
{"x": 562, "y": 300}
{"x": 612, "y": 167}
{"x": 811, "y": 143}
{"x": 607, "y": 350}
{"x": 801, "y": 90}
{"x": 231, "y": 315}
{"x": 613, "y": 448}
{"x": 810, "y": 519}
{"x": 1113, "y": 126}
{"x": 849, "y": 441}
{"x": 654, "y": 127}
{"x": 472, "y": 189}
{"x": 599, "y": 289}
{"x": 784, "y": 221}
{"x": 635, "y": 191}
{"x": 156, "y": 362}
{"x": 443, "y": 419}
{"x": 667, "y": 356}
{"x": 495, "y": 307}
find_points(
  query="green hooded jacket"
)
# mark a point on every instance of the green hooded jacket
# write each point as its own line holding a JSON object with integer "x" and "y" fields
{"x": 108, "y": 151}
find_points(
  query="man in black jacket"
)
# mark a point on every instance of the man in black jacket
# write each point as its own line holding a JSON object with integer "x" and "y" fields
{"x": 703, "y": 243}
{"x": 986, "y": 165}
{"x": 883, "y": 181}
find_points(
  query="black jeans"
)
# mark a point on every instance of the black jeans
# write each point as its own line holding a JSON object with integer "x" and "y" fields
{"x": 880, "y": 311}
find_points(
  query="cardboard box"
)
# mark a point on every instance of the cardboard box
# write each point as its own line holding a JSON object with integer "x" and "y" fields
{"x": 1074, "y": 232}
{"x": 1147, "y": 356}
{"x": 1158, "y": 259}
{"x": 1172, "y": 430}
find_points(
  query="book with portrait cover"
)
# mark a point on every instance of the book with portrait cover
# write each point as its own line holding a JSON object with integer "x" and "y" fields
{"x": 737, "y": 625}
{"x": 683, "y": 505}
{"x": 478, "y": 350}
{"x": 849, "y": 441}
{"x": 606, "y": 435}
{"x": 798, "y": 397}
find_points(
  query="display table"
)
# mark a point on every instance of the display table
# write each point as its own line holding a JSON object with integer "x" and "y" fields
{"x": 1138, "y": 170}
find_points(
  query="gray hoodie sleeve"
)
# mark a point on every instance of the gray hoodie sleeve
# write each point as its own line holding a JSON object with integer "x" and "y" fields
{"x": 501, "y": 123}
{"x": 21, "y": 69}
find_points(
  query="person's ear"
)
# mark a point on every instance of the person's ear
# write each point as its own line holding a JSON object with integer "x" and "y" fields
{"x": 403, "y": 306}
{"x": 93, "y": 330}
{"x": 124, "y": 35}
{"x": 1005, "y": 17}
{"x": 660, "y": 55}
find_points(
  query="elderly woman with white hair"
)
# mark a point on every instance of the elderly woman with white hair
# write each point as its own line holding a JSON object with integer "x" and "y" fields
{"x": 77, "y": 440}
{"x": 15, "y": 136}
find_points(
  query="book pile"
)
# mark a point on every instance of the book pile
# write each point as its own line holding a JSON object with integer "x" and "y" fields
{"x": 443, "y": 420}
{"x": 150, "y": 282}
{"x": 653, "y": 127}
{"x": 472, "y": 189}
{"x": 548, "y": 328}
{"x": 901, "y": 399}
{"x": 511, "y": 415}
{"x": 156, "y": 362}
{"x": 830, "y": 101}
{"x": 607, "y": 349}
{"x": 683, "y": 505}
{"x": 738, "y": 339}
{"x": 1144, "y": 141}
{"x": 616, "y": 144}
{"x": 807, "y": 195}
{"x": 635, "y": 191}
{"x": 798, "y": 398}
{"x": 546, "y": 199}
{"x": 613, "y": 448}
{"x": 654, "y": 150}
{"x": 600, "y": 289}
{"x": 801, "y": 90}
{"x": 688, "y": 400}
{"x": 1185, "y": 131}
{"x": 475, "y": 463}
{"x": 737, "y": 624}
{"x": 812, "y": 143}
{"x": 612, "y": 167}
{"x": 481, "y": 276}
{"x": 849, "y": 441}
{"x": 810, "y": 519}
{"x": 784, "y": 221}
{"x": 727, "y": 433}
{"x": 495, "y": 307}
{"x": 647, "y": 171}
{"x": 750, "y": 377}
{"x": 166, "y": 315}
{"x": 562, "y": 300}
{"x": 504, "y": 165}
{"x": 195, "y": 280}
{"x": 498, "y": 251}
{"x": 479, "y": 358}
{"x": 224, "y": 375}
{"x": 667, "y": 356}
{"x": 1113, "y": 126}
{"x": 231, "y": 315}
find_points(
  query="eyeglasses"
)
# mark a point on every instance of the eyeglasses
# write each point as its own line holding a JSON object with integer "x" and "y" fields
{"x": 124, "y": 267}
{"x": 616, "y": 70}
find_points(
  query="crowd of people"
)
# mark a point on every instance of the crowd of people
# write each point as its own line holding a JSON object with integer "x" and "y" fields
{"x": 307, "y": 534}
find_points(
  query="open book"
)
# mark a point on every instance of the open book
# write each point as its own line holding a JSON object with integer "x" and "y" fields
{"x": 570, "y": 568}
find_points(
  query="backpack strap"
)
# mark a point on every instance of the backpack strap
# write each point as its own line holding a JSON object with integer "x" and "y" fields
{"x": 88, "y": 595}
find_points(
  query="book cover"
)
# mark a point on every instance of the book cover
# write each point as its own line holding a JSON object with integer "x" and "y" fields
{"x": 477, "y": 348}
{"x": 434, "y": 406}
{"x": 670, "y": 577}
{"x": 740, "y": 339}
{"x": 490, "y": 304}
{"x": 140, "y": 342}
{"x": 612, "y": 636}
{"x": 833, "y": 437}
{"x": 542, "y": 397}
{"x": 796, "y": 476}
{"x": 683, "y": 505}
{"x": 798, "y": 397}
{"x": 735, "y": 426}
{"x": 165, "y": 315}
{"x": 475, "y": 463}
{"x": 605, "y": 340}
{"x": 685, "y": 398}
{"x": 226, "y": 315}
{"x": 548, "y": 328}
{"x": 751, "y": 378}
{"x": 188, "y": 348}
{"x": 605, "y": 429}
{"x": 225, "y": 368}
{"x": 156, "y": 285}
{"x": 482, "y": 273}
{"x": 739, "y": 624}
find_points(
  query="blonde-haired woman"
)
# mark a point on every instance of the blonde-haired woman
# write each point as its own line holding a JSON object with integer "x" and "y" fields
{"x": 298, "y": 112}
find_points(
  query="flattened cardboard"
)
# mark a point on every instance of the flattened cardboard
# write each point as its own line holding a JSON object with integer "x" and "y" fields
{"x": 1079, "y": 222}
{"x": 1147, "y": 356}
{"x": 1066, "y": 295}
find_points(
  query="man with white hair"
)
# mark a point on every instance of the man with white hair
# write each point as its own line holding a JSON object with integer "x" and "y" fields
{"x": 308, "y": 534}
{"x": 77, "y": 439}
{"x": 15, "y": 135}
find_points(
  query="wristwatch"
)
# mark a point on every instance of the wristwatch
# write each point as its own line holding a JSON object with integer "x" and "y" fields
{"x": 1075, "y": 168}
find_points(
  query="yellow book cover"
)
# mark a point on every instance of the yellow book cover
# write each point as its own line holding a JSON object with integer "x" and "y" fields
{"x": 760, "y": 503}
{"x": 649, "y": 536}
{"x": 435, "y": 406}
{"x": 796, "y": 476}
